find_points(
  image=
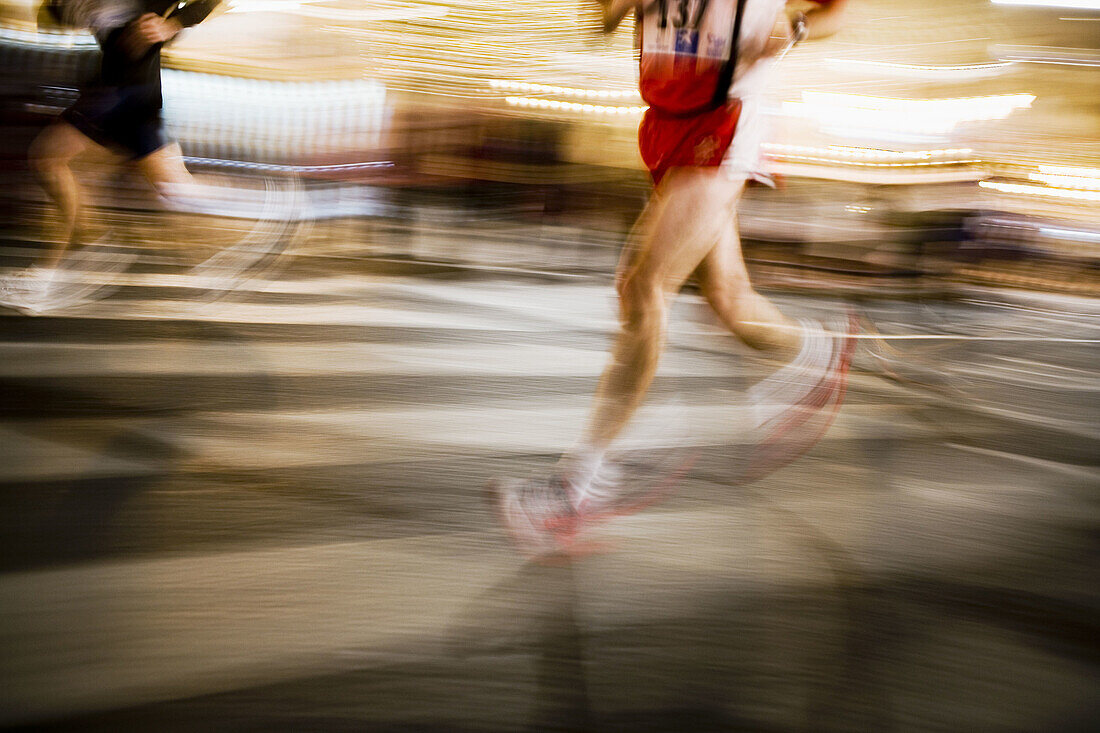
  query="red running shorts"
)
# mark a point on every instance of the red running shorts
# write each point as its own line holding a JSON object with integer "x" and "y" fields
{"x": 668, "y": 141}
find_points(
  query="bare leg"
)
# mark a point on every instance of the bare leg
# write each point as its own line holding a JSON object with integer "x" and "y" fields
{"x": 751, "y": 317}
{"x": 690, "y": 226}
{"x": 680, "y": 228}
{"x": 51, "y": 157}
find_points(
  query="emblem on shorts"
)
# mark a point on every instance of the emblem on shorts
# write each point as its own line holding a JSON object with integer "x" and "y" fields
{"x": 705, "y": 149}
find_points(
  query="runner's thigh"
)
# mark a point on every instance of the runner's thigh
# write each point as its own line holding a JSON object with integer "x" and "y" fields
{"x": 60, "y": 142}
{"x": 695, "y": 209}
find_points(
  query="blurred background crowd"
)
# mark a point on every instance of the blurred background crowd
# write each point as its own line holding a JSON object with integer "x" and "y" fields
{"x": 954, "y": 140}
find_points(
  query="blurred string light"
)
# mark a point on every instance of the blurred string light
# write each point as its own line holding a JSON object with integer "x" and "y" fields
{"x": 1068, "y": 183}
{"x": 558, "y": 105}
{"x": 1087, "y": 179}
{"x": 1030, "y": 190}
{"x": 856, "y": 114}
{"x": 1052, "y": 55}
{"x": 598, "y": 104}
{"x": 446, "y": 48}
{"x": 916, "y": 71}
{"x": 532, "y": 88}
{"x": 309, "y": 8}
{"x": 870, "y": 157}
{"x": 459, "y": 52}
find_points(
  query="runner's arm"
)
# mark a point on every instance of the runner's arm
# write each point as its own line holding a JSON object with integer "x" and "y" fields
{"x": 152, "y": 29}
{"x": 615, "y": 10}
{"x": 190, "y": 14}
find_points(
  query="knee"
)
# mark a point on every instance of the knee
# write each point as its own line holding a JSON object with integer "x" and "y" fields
{"x": 39, "y": 162}
{"x": 45, "y": 164}
{"x": 642, "y": 301}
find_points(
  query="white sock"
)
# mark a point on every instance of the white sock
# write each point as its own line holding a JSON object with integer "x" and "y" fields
{"x": 589, "y": 473}
{"x": 583, "y": 461}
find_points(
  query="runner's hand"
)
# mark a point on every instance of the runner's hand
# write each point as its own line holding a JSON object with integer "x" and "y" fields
{"x": 147, "y": 31}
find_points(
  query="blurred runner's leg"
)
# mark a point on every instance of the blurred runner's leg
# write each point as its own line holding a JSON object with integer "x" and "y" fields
{"x": 51, "y": 157}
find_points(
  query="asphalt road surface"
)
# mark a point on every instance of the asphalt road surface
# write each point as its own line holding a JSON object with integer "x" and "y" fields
{"x": 263, "y": 512}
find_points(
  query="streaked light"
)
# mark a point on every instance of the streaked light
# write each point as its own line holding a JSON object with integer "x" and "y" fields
{"x": 965, "y": 107}
{"x": 558, "y": 105}
{"x": 399, "y": 11}
{"x": 928, "y": 116}
{"x": 533, "y": 88}
{"x": 281, "y": 168}
{"x": 959, "y": 72}
{"x": 1078, "y": 235}
{"x": 1063, "y": 177}
{"x": 1065, "y": 170}
{"x": 81, "y": 39}
{"x": 1028, "y": 190}
{"x": 871, "y": 157}
{"x": 1053, "y": 55}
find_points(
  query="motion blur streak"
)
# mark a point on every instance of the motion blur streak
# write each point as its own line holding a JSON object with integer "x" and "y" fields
{"x": 1041, "y": 191}
{"x": 1075, "y": 4}
{"x": 248, "y": 420}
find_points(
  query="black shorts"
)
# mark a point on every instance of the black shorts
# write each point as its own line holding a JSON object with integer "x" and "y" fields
{"x": 125, "y": 123}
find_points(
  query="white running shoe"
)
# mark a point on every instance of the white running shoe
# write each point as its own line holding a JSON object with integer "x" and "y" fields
{"x": 540, "y": 514}
{"x": 792, "y": 408}
{"x": 30, "y": 290}
{"x": 545, "y": 515}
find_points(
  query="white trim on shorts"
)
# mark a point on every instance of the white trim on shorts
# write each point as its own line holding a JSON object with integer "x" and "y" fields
{"x": 743, "y": 161}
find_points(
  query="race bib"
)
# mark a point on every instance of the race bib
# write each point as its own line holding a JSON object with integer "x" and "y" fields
{"x": 685, "y": 45}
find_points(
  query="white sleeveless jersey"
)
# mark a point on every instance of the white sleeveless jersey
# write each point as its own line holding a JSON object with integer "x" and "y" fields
{"x": 685, "y": 44}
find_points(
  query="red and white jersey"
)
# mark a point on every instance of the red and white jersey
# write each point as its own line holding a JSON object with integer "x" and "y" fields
{"x": 685, "y": 44}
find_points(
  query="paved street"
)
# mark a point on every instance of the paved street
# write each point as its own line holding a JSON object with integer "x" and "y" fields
{"x": 264, "y": 512}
